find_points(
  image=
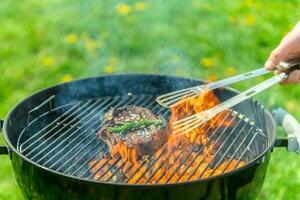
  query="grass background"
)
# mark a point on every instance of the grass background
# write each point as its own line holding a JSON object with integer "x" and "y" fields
{"x": 48, "y": 42}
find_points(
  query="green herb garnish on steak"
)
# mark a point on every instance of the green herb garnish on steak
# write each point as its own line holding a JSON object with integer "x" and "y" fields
{"x": 133, "y": 125}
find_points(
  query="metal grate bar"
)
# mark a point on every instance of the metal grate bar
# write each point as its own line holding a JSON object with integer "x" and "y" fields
{"x": 251, "y": 152}
{"x": 73, "y": 156}
{"x": 74, "y": 139}
{"x": 87, "y": 161}
{"x": 108, "y": 169}
{"x": 220, "y": 147}
{"x": 99, "y": 168}
{"x": 42, "y": 104}
{"x": 237, "y": 150}
{"x": 190, "y": 152}
{"x": 159, "y": 167}
{"x": 67, "y": 145}
{"x": 82, "y": 118}
{"x": 264, "y": 126}
{"x": 46, "y": 127}
{"x": 141, "y": 165}
{"x": 196, "y": 157}
{"x": 150, "y": 167}
{"x": 200, "y": 151}
{"x": 97, "y": 145}
{"x": 49, "y": 100}
{"x": 78, "y": 136}
{"x": 229, "y": 147}
{"x": 58, "y": 131}
{"x": 118, "y": 104}
{"x": 115, "y": 172}
{"x": 247, "y": 148}
{"x": 177, "y": 158}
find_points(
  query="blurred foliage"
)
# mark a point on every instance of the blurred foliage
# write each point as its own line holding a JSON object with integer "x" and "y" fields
{"x": 48, "y": 42}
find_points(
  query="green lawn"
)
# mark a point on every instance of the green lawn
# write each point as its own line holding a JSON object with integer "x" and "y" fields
{"x": 48, "y": 42}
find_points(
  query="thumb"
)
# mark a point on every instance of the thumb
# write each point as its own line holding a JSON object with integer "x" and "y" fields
{"x": 274, "y": 58}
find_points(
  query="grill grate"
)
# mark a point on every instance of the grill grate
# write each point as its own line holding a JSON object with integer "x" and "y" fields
{"x": 64, "y": 139}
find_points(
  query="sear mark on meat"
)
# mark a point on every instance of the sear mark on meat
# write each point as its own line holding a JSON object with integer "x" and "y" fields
{"x": 137, "y": 127}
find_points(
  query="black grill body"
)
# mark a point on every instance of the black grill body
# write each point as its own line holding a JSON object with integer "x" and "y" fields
{"x": 38, "y": 182}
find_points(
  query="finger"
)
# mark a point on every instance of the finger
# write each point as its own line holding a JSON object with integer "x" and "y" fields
{"x": 278, "y": 71}
{"x": 294, "y": 77}
{"x": 274, "y": 58}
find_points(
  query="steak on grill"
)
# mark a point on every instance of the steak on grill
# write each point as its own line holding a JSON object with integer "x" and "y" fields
{"x": 145, "y": 132}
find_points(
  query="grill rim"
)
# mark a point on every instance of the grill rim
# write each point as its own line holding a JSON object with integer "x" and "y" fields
{"x": 12, "y": 149}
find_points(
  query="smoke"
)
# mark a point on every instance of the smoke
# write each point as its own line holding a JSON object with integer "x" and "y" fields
{"x": 172, "y": 62}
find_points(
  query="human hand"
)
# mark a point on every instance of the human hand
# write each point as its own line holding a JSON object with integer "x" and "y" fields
{"x": 288, "y": 49}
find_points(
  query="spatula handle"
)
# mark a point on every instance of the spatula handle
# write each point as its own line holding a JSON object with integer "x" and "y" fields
{"x": 247, "y": 94}
{"x": 237, "y": 78}
{"x": 284, "y": 66}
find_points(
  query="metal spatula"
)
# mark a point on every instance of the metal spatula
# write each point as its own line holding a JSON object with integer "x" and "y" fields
{"x": 189, "y": 123}
{"x": 179, "y": 96}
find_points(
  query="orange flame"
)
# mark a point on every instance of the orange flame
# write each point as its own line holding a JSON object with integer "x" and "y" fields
{"x": 179, "y": 160}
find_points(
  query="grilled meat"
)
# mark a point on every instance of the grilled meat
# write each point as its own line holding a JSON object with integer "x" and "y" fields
{"x": 137, "y": 127}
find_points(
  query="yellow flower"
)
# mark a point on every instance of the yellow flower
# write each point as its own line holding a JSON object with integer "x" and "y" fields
{"x": 48, "y": 61}
{"x": 109, "y": 69}
{"x": 212, "y": 78}
{"x": 123, "y": 9}
{"x": 113, "y": 61}
{"x": 90, "y": 44}
{"x": 71, "y": 38}
{"x": 291, "y": 105}
{"x": 67, "y": 78}
{"x": 140, "y": 6}
{"x": 249, "y": 20}
{"x": 230, "y": 71}
{"x": 206, "y": 62}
